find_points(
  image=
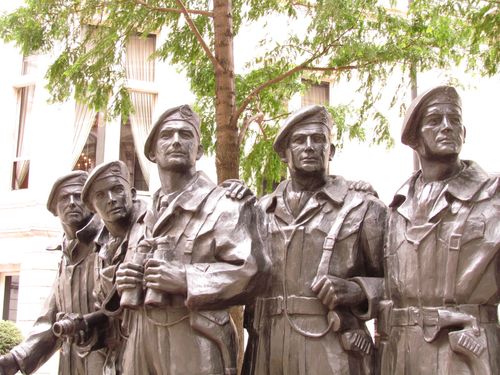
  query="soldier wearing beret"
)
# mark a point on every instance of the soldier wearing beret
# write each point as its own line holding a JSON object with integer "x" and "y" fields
{"x": 325, "y": 242}
{"x": 442, "y": 254}
{"x": 72, "y": 289}
{"x": 206, "y": 253}
{"x": 108, "y": 193}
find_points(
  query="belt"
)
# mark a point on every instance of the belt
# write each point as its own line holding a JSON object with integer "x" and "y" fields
{"x": 427, "y": 316}
{"x": 294, "y": 306}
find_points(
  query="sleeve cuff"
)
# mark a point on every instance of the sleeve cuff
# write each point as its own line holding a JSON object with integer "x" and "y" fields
{"x": 373, "y": 289}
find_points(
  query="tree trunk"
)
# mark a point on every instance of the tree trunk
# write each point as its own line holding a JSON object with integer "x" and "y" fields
{"x": 227, "y": 147}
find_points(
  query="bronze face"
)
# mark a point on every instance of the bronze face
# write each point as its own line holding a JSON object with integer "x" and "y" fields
{"x": 70, "y": 209}
{"x": 309, "y": 150}
{"x": 176, "y": 146}
{"x": 441, "y": 132}
{"x": 111, "y": 198}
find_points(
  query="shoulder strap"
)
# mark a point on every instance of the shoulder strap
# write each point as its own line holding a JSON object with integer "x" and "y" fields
{"x": 454, "y": 243}
{"x": 331, "y": 238}
{"x": 324, "y": 264}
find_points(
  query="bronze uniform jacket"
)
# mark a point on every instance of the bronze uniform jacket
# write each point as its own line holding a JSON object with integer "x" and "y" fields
{"x": 106, "y": 296}
{"x": 71, "y": 293}
{"x": 289, "y": 307}
{"x": 464, "y": 221}
{"x": 218, "y": 241}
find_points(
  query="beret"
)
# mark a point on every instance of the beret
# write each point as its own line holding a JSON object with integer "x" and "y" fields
{"x": 180, "y": 113}
{"x": 115, "y": 168}
{"x": 436, "y": 95}
{"x": 313, "y": 114}
{"x": 73, "y": 178}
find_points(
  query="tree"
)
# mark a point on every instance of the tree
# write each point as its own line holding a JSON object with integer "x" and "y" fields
{"x": 324, "y": 38}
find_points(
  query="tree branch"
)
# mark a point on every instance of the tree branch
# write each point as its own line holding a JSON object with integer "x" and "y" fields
{"x": 246, "y": 124}
{"x": 261, "y": 87}
{"x": 284, "y": 115}
{"x": 198, "y": 36}
{"x": 303, "y": 4}
{"x": 331, "y": 68}
{"x": 174, "y": 10}
{"x": 287, "y": 74}
{"x": 276, "y": 79}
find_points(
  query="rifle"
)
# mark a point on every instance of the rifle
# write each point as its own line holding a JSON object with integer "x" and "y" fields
{"x": 77, "y": 326}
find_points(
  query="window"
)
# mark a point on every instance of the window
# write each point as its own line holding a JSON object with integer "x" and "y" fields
{"x": 129, "y": 155}
{"x": 138, "y": 62}
{"x": 25, "y": 93}
{"x": 140, "y": 72}
{"x": 92, "y": 152}
{"x": 317, "y": 93}
{"x": 30, "y": 64}
{"x": 11, "y": 292}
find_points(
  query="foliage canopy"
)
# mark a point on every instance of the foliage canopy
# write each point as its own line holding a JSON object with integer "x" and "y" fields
{"x": 366, "y": 40}
{"x": 10, "y": 336}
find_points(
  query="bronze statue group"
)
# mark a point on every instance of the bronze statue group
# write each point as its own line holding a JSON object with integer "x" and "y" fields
{"x": 147, "y": 290}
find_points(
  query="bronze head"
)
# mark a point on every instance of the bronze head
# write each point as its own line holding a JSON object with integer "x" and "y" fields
{"x": 433, "y": 123}
{"x": 108, "y": 191}
{"x": 303, "y": 142}
{"x": 174, "y": 141}
{"x": 65, "y": 200}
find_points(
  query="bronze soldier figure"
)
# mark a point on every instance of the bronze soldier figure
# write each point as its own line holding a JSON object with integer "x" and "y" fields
{"x": 204, "y": 252}
{"x": 108, "y": 192}
{"x": 72, "y": 289}
{"x": 442, "y": 254}
{"x": 325, "y": 242}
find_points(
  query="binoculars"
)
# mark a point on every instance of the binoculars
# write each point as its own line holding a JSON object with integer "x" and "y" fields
{"x": 160, "y": 248}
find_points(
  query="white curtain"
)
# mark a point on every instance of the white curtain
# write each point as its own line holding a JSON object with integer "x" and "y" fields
{"x": 141, "y": 122}
{"x": 139, "y": 66}
{"x": 22, "y": 163}
{"x": 84, "y": 119}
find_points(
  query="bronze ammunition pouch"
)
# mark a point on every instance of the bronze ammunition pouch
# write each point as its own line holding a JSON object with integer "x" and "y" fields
{"x": 473, "y": 346}
{"x": 357, "y": 341}
{"x": 466, "y": 336}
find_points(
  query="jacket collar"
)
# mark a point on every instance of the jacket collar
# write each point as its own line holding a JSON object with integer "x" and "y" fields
{"x": 86, "y": 235}
{"x": 463, "y": 186}
{"x": 195, "y": 193}
{"x": 77, "y": 252}
{"x": 335, "y": 191}
{"x": 468, "y": 182}
{"x": 89, "y": 231}
{"x": 190, "y": 199}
